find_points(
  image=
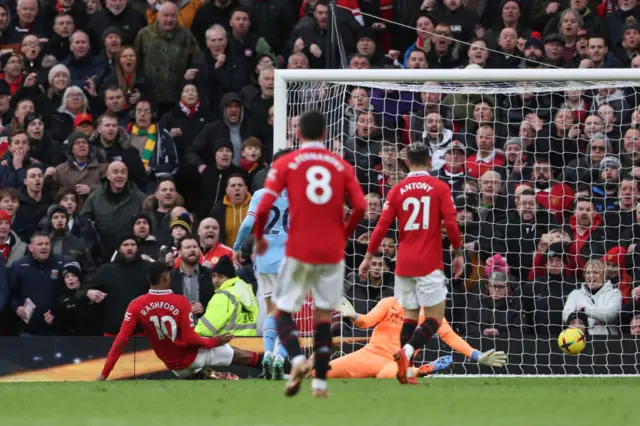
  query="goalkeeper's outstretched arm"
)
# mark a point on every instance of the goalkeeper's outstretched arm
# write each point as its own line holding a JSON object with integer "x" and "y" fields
{"x": 491, "y": 358}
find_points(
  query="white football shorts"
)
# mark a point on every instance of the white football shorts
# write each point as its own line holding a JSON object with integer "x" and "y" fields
{"x": 222, "y": 356}
{"x": 414, "y": 292}
{"x": 297, "y": 278}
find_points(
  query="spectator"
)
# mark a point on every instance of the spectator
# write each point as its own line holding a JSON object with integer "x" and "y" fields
{"x": 154, "y": 144}
{"x": 115, "y": 103}
{"x": 74, "y": 103}
{"x": 586, "y": 232}
{"x": 231, "y": 211}
{"x": 159, "y": 204}
{"x": 128, "y": 75}
{"x": 35, "y": 283}
{"x": 598, "y": 299}
{"x": 209, "y": 236}
{"x": 604, "y": 191}
{"x": 463, "y": 22}
{"x": 518, "y": 234}
{"x": 34, "y": 201}
{"x": 143, "y": 227}
{"x": 121, "y": 15}
{"x": 453, "y": 170}
{"x": 191, "y": 279}
{"x": 11, "y": 246}
{"x": 114, "y": 144}
{"x": 166, "y": 52}
{"x": 187, "y": 13}
{"x": 213, "y": 12}
{"x": 615, "y": 22}
{"x": 47, "y": 151}
{"x": 216, "y": 176}
{"x": 117, "y": 283}
{"x": 113, "y": 205}
{"x": 179, "y": 228}
{"x": 495, "y": 312}
{"x": 81, "y": 227}
{"x": 233, "y": 307}
{"x": 18, "y": 158}
{"x": 58, "y": 44}
{"x": 86, "y": 70}
{"x": 10, "y": 201}
{"x": 543, "y": 299}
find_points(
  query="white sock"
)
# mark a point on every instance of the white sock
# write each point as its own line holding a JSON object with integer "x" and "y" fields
{"x": 408, "y": 350}
{"x": 319, "y": 384}
{"x": 297, "y": 360}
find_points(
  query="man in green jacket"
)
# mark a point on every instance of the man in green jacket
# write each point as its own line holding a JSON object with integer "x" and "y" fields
{"x": 233, "y": 308}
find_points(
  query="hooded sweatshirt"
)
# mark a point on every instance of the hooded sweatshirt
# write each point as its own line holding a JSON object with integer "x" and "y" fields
{"x": 235, "y": 135}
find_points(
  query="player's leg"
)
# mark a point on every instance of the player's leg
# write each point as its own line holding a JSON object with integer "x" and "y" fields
{"x": 327, "y": 293}
{"x": 405, "y": 292}
{"x": 289, "y": 295}
{"x": 273, "y": 363}
{"x": 361, "y": 364}
{"x": 431, "y": 294}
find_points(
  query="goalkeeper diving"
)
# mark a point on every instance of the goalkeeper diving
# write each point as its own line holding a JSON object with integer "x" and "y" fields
{"x": 376, "y": 360}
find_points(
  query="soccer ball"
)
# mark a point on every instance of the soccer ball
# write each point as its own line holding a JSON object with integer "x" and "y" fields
{"x": 572, "y": 341}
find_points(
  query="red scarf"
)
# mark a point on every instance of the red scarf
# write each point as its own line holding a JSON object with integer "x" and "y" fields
{"x": 189, "y": 111}
{"x": 127, "y": 80}
{"x": 248, "y": 166}
{"x": 5, "y": 250}
{"x": 60, "y": 8}
{"x": 13, "y": 87}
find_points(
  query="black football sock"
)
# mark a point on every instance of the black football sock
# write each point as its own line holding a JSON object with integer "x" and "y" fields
{"x": 288, "y": 334}
{"x": 408, "y": 327}
{"x": 423, "y": 333}
{"x": 322, "y": 347}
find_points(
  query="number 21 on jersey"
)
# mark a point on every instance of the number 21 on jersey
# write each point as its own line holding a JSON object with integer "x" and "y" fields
{"x": 419, "y": 210}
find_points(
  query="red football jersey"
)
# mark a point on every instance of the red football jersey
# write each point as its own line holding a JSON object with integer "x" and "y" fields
{"x": 168, "y": 323}
{"x": 420, "y": 202}
{"x": 316, "y": 181}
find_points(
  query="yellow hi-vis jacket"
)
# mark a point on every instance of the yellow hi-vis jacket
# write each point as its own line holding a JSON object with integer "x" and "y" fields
{"x": 232, "y": 309}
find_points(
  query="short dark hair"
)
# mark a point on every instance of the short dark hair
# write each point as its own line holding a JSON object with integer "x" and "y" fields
{"x": 312, "y": 125}
{"x": 63, "y": 192}
{"x": 156, "y": 271}
{"x": 39, "y": 234}
{"x": 113, "y": 88}
{"x": 12, "y": 193}
{"x": 30, "y": 167}
{"x": 188, "y": 237}
{"x": 251, "y": 141}
{"x": 418, "y": 50}
{"x": 17, "y": 132}
{"x": 418, "y": 154}
{"x": 584, "y": 200}
{"x": 108, "y": 115}
{"x": 236, "y": 175}
{"x": 528, "y": 192}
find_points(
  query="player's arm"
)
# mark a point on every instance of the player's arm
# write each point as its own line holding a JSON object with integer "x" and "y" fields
{"x": 377, "y": 314}
{"x": 274, "y": 185}
{"x": 247, "y": 226}
{"x": 189, "y": 335}
{"x": 490, "y": 358}
{"x": 448, "y": 214}
{"x": 120, "y": 344}
{"x": 356, "y": 199}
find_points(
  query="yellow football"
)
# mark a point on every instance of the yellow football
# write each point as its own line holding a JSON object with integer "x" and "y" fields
{"x": 572, "y": 341}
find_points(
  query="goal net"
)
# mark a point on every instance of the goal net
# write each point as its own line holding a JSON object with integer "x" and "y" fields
{"x": 544, "y": 168}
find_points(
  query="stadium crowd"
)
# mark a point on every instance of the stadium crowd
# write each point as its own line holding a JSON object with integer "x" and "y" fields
{"x": 128, "y": 126}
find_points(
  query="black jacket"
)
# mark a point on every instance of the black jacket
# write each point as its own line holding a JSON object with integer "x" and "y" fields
{"x": 76, "y": 316}
{"x": 204, "y": 280}
{"x": 123, "y": 281}
{"x": 214, "y": 190}
{"x": 230, "y": 77}
{"x": 29, "y": 213}
{"x": 129, "y": 22}
{"x": 543, "y": 301}
{"x": 40, "y": 282}
{"x": 190, "y": 126}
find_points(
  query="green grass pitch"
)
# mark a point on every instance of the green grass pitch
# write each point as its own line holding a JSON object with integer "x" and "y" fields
{"x": 437, "y": 402}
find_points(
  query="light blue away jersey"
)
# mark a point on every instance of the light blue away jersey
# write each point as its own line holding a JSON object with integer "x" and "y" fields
{"x": 275, "y": 232}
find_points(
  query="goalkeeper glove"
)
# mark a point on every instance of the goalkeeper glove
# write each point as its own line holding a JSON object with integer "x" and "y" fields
{"x": 490, "y": 358}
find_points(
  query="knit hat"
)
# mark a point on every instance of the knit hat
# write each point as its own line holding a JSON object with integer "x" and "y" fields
{"x": 609, "y": 161}
{"x": 73, "y": 137}
{"x": 183, "y": 220}
{"x": 557, "y": 250}
{"x": 504, "y": 2}
{"x": 535, "y": 40}
{"x": 497, "y": 268}
{"x": 554, "y": 37}
{"x": 143, "y": 215}
{"x": 32, "y": 116}
{"x": 4, "y": 216}
{"x": 631, "y": 26}
{"x": 223, "y": 143}
{"x": 5, "y": 58}
{"x": 111, "y": 30}
{"x": 73, "y": 268}
{"x": 616, "y": 256}
{"x": 512, "y": 141}
{"x": 365, "y": 32}
{"x": 55, "y": 70}
{"x": 126, "y": 236}
{"x": 224, "y": 267}
{"x": 56, "y": 208}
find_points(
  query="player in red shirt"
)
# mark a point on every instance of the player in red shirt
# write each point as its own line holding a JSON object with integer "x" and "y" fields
{"x": 421, "y": 203}
{"x": 167, "y": 321}
{"x": 316, "y": 181}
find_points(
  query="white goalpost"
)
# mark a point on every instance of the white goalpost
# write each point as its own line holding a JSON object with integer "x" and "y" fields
{"x": 500, "y": 138}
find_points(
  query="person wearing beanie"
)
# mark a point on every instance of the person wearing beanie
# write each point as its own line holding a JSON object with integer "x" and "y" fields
{"x": 43, "y": 148}
{"x": 495, "y": 312}
{"x": 143, "y": 229}
{"x": 180, "y": 227}
{"x": 118, "y": 282}
{"x": 233, "y": 307}
{"x": 533, "y": 51}
{"x": 605, "y": 190}
{"x": 215, "y": 175}
{"x": 62, "y": 241}
{"x": 11, "y": 246}
{"x": 616, "y": 270}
